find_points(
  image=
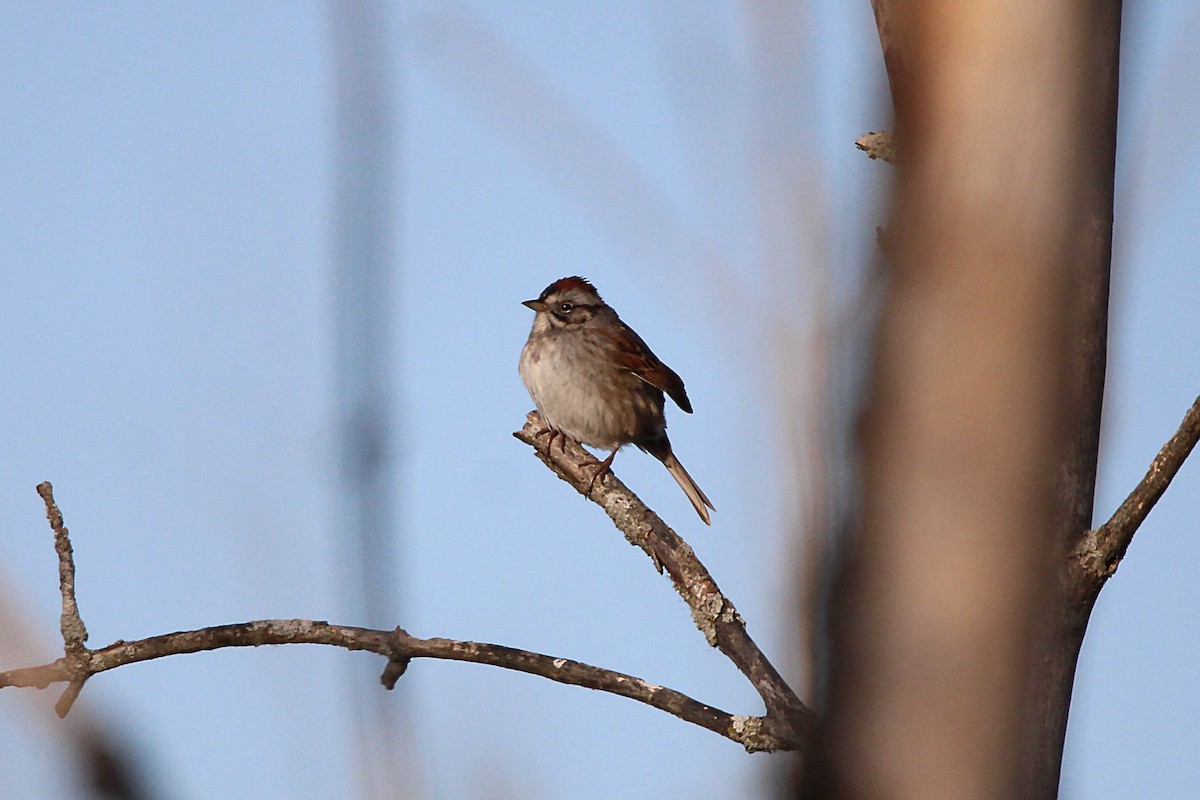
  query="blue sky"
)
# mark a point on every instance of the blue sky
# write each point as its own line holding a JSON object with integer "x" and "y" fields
{"x": 168, "y": 343}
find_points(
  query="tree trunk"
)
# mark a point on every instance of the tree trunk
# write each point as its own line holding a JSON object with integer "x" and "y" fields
{"x": 981, "y": 433}
{"x": 1057, "y": 650}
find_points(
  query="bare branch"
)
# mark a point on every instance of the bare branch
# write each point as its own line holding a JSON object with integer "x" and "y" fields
{"x": 787, "y": 717}
{"x": 1100, "y": 552}
{"x": 399, "y": 647}
{"x": 776, "y": 731}
{"x": 74, "y": 632}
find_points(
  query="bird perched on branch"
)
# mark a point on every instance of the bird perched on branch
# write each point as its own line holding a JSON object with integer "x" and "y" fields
{"x": 593, "y": 378}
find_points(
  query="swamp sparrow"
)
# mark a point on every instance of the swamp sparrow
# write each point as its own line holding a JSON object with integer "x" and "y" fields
{"x": 593, "y": 379}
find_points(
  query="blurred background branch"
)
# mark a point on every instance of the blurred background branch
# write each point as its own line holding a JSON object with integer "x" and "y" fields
{"x": 366, "y": 225}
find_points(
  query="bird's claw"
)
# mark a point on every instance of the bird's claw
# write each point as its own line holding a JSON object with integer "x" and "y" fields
{"x": 562, "y": 445}
{"x": 602, "y": 468}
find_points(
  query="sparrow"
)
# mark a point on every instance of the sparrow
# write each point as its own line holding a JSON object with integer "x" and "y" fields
{"x": 595, "y": 380}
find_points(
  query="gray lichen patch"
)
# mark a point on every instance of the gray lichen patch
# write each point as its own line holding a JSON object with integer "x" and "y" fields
{"x": 749, "y": 732}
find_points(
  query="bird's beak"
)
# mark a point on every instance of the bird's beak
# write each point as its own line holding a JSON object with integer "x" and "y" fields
{"x": 536, "y": 305}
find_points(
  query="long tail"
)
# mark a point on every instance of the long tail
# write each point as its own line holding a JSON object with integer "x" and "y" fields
{"x": 694, "y": 493}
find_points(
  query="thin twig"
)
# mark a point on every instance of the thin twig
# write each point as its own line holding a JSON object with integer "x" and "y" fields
{"x": 787, "y": 717}
{"x": 1100, "y": 551}
{"x": 399, "y": 647}
{"x": 74, "y": 632}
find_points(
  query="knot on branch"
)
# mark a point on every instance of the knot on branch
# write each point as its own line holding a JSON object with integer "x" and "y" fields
{"x": 877, "y": 144}
{"x": 396, "y": 651}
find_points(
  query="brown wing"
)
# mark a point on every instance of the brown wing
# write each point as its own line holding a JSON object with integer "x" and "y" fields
{"x": 634, "y": 355}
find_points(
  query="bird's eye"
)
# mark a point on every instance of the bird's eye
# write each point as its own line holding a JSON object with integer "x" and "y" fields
{"x": 565, "y": 307}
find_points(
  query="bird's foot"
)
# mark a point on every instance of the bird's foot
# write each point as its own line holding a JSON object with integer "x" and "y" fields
{"x": 562, "y": 444}
{"x": 602, "y": 468}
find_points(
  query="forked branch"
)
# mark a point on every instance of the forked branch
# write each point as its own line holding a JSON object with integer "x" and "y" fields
{"x": 786, "y": 725}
